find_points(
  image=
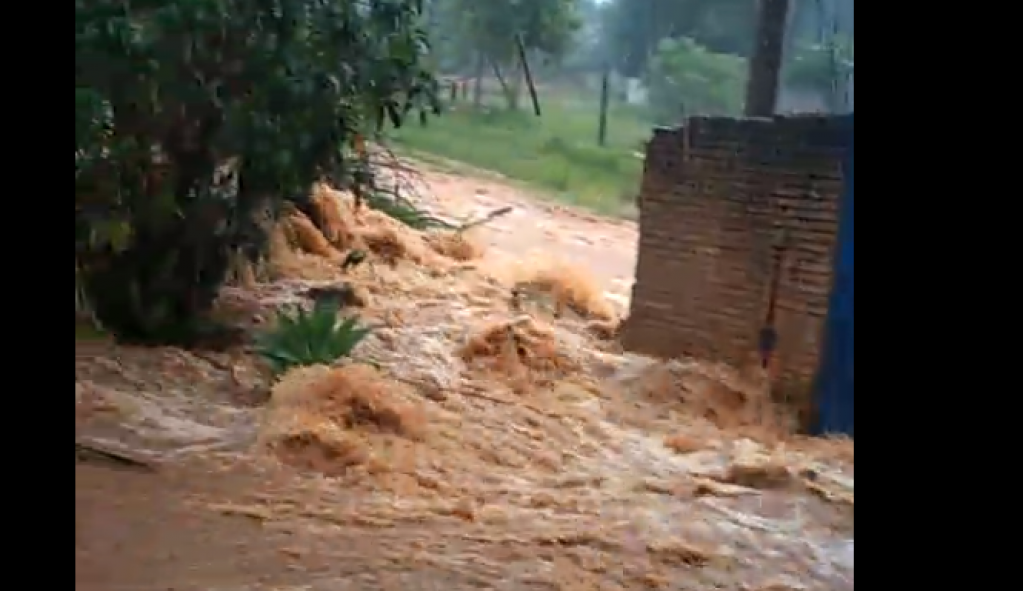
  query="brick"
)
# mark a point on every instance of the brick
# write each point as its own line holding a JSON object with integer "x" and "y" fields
{"x": 716, "y": 196}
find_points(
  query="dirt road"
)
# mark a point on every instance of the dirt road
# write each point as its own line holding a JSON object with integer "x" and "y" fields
{"x": 607, "y": 247}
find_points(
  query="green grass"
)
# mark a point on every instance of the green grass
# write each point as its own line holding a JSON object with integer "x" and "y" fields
{"x": 86, "y": 331}
{"x": 557, "y": 152}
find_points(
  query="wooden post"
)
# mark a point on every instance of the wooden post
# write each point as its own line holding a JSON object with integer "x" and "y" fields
{"x": 521, "y": 46}
{"x": 605, "y": 91}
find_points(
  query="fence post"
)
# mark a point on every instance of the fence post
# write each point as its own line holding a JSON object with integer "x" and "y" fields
{"x": 605, "y": 91}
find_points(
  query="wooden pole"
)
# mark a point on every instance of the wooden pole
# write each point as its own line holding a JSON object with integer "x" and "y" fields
{"x": 605, "y": 91}
{"x": 529, "y": 75}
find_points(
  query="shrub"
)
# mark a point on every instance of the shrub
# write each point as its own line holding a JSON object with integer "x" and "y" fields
{"x": 196, "y": 120}
{"x": 309, "y": 338}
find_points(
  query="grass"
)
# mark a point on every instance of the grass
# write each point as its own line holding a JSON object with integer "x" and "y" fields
{"x": 557, "y": 152}
{"x": 87, "y": 331}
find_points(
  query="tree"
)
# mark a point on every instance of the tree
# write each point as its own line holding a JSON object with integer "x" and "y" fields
{"x": 820, "y": 51}
{"x": 824, "y": 68}
{"x": 488, "y": 32}
{"x": 451, "y": 52}
{"x": 196, "y": 120}
{"x": 588, "y": 52}
{"x": 686, "y": 79}
{"x": 765, "y": 65}
{"x": 634, "y": 28}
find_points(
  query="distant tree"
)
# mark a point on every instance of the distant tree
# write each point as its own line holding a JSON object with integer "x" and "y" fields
{"x": 633, "y": 29}
{"x": 685, "y": 78}
{"x": 824, "y": 68}
{"x": 588, "y": 52}
{"x": 484, "y": 32}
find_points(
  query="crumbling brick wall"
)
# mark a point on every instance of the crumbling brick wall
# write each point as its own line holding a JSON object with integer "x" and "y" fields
{"x": 720, "y": 199}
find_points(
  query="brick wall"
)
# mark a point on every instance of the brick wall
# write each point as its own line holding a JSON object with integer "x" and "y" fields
{"x": 719, "y": 197}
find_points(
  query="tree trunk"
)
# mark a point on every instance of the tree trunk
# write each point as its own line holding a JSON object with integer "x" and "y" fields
{"x": 515, "y": 92}
{"x": 477, "y": 88}
{"x": 765, "y": 65}
{"x": 160, "y": 290}
{"x": 509, "y": 90}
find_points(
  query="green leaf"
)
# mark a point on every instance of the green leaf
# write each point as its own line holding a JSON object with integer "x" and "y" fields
{"x": 307, "y": 338}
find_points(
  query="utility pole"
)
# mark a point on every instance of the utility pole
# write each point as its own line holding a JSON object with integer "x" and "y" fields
{"x": 765, "y": 64}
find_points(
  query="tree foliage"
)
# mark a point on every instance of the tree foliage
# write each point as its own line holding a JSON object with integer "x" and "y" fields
{"x": 471, "y": 27}
{"x": 196, "y": 120}
{"x": 589, "y": 52}
{"x": 825, "y": 68}
{"x": 634, "y": 28}
{"x": 686, "y": 79}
